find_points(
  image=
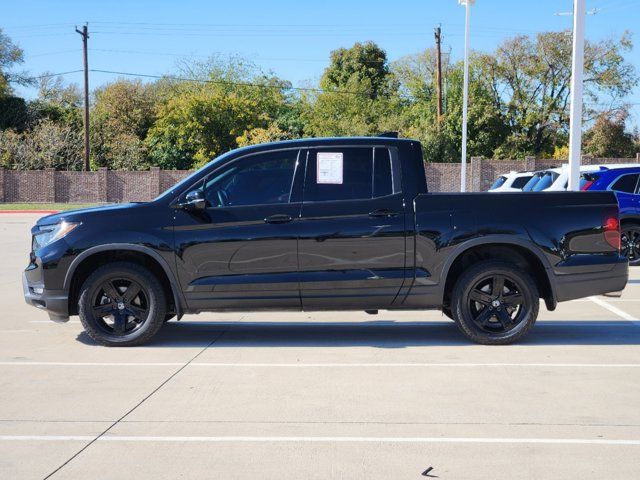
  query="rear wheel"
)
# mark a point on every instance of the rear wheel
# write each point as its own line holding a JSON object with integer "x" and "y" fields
{"x": 122, "y": 304}
{"x": 495, "y": 303}
{"x": 630, "y": 243}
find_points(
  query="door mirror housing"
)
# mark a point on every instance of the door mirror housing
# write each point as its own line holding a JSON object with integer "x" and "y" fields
{"x": 194, "y": 200}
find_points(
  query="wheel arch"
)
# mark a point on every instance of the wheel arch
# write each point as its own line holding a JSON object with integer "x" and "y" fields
{"x": 81, "y": 267}
{"x": 521, "y": 252}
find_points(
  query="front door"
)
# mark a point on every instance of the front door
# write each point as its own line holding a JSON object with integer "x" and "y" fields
{"x": 352, "y": 241}
{"x": 240, "y": 252}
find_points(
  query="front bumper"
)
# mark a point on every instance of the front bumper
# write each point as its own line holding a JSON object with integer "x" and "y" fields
{"x": 580, "y": 285}
{"x": 55, "y": 302}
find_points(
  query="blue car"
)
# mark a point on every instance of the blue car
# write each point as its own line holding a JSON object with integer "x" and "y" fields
{"x": 625, "y": 182}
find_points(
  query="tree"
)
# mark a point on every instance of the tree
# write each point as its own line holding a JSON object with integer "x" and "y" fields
{"x": 608, "y": 137}
{"x": 57, "y": 102}
{"x": 47, "y": 145}
{"x": 122, "y": 114}
{"x": 529, "y": 81}
{"x": 359, "y": 94}
{"x": 10, "y": 56}
{"x": 202, "y": 120}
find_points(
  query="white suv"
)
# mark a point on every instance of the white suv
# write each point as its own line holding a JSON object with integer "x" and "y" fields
{"x": 511, "y": 182}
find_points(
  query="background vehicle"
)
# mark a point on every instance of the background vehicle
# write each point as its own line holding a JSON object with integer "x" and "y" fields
{"x": 533, "y": 181}
{"x": 625, "y": 183}
{"x": 511, "y": 182}
{"x": 324, "y": 224}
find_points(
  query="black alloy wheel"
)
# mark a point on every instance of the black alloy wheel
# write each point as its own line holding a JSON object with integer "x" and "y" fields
{"x": 122, "y": 304}
{"x": 630, "y": 243}
{"x": 495, "y": 303}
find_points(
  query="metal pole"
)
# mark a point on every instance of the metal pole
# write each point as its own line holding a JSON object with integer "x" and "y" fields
{"x": 84, "y": 33}
{"x": 438, "y": 76}
{"x": 575, "y": 114}
{"x": 465, "y": 99}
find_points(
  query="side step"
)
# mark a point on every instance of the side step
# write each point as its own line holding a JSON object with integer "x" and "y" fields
{"x": 371, "y": 312}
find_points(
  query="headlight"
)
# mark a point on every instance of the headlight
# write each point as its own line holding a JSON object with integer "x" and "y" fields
{"x": 47, "y": 234}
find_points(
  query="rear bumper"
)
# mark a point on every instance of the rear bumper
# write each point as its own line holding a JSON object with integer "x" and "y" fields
{"x": 55, "y": 302}
{"x": 580, "y": 285}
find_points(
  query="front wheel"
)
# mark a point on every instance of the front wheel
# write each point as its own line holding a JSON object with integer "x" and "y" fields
{"x": 122, "y": 304}
{"x": 630, "y": 243}
{"x": 495, "y": 303}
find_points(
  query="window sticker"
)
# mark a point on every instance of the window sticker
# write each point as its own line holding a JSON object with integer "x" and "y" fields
{"x": 330, "y": 168}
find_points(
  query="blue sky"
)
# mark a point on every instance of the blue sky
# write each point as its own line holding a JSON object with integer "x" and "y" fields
{"x": 292, "y": 39}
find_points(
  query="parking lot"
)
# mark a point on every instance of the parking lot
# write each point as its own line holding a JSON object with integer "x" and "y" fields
{"x": 318, "y": 395}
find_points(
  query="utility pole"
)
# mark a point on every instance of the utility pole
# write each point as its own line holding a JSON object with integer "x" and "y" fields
{"x": 575, "y": 115}
{"x": 465, "y": 94}
{"x": 438, "y": 75}
{"x": 84, "y": 33}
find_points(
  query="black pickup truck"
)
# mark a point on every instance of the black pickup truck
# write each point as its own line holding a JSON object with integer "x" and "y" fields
{"x": 324, "y": 224}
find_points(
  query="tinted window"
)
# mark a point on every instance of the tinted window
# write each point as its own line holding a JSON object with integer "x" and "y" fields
{"x": 498, "y": 183}
{"x": 255, "y": 180}
{"x": 343, "y": 174}
{"x": 382, "y": 173}
{"x": 546, "y": 181}
{"x": 520, "y": 182}
{"x": 626, "y": 184}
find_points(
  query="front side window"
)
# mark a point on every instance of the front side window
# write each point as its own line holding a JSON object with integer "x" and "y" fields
{"x": 356, "y": 173}
{"x": 260, "y": 179}
{"x": 625, "y": 184}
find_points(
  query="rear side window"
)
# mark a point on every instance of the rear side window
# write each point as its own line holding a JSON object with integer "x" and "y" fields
{"x": 498, "y": 183}
{"x": 520, "y": 182}
{"x": 356, "y": 173}
{"x": 626, "y": 183}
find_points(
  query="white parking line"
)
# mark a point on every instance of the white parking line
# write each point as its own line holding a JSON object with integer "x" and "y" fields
{"x": 244, "y": 439}
{"x": 615, "y": 310}
{"x": 320, "y": 365}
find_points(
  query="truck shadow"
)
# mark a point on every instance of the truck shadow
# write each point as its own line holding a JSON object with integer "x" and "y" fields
{"x": 383, "y": 334}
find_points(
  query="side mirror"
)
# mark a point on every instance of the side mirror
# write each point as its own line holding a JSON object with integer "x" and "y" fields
{"x": 194, "y": 200}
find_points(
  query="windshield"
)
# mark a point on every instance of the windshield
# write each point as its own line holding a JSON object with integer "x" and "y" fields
{"x": 545, "y": 181}
{"x": 532, "y": 182}
{"x": 498, "y": 183}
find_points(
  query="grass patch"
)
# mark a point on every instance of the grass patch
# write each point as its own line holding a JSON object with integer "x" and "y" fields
{"x": 45, "y": 206}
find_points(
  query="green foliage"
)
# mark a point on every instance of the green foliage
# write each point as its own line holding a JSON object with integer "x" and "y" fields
{"x": 518, "y": 105}
{"x": 608, "y": 137}
{"x": 47, "y": 145}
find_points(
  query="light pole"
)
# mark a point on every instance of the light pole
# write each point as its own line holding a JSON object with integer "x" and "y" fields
{"x": 575, "y": 113}
{"x": 465, "y": 94}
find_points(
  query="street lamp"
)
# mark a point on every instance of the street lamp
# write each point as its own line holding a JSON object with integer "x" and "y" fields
{"x": 575, "y": 113}
{"x": 465, "y": 95}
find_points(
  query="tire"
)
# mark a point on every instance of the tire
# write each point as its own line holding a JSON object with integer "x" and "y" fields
{"x": 490, "y": 315}
{"x": 630, "y": 243}
{"x": 110, "y": 316}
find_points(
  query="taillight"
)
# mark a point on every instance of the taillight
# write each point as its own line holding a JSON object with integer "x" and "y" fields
{"x": 587, "y": 185}
{"x": 611, "y": 230}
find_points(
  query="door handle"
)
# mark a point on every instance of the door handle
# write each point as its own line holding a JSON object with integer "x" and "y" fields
{"x": 278, "y": 218}
{"x": 383, "y": 213}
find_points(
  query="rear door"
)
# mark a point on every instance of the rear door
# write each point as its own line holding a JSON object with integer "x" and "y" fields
{"x": 352, "y": 241}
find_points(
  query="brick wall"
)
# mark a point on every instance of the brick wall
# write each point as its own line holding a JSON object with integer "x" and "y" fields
{"x": 46, "y": 186}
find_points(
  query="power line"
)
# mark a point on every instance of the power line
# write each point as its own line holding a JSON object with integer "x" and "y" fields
{"x": 227, "y": 82}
